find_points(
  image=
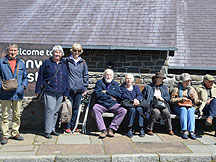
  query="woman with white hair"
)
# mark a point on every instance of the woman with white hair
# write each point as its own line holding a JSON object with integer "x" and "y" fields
{"x": 132, "y": 92}
{"x": 53, "y": 75}
{"x": 184, "y": 98}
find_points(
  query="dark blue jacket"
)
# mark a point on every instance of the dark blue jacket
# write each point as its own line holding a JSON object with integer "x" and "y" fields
{"x": 148, "y": 93}
{"x": 59, "y": 83}
{"x": 112, "y": 89}
{"x": 131, "y": 95}
{"x": 6, "y": 74}
{"x": 78, "y": 75}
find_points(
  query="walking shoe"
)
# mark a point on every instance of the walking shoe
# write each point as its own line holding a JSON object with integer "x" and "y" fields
{"x": 48, "y": 135}
{"x": 110, "y": 132}
{"x": 68, "y": 130}
{"x": 192, "y": 135}
{"x": 55, "y": 133}
{"x": 18, "y": 137}
{"x": 142, "y": 133}
{"x": 150, "y": 133}
{"x": 4, "y": 141}
{"x": 103, "y": 134}
{"x": 77, "y": 130}
{"x": 208, "y": 121}
{"x": 129, "y": 134}
{"x": 184, "y": 136}
{"x": 171, "y": 133}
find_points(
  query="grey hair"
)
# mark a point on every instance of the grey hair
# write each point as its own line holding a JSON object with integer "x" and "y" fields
{"x": 129, "y": 74}
{"x": 107, "y": 71}
{"x": 58, "y": 48}
{"x": 11, "y": 45}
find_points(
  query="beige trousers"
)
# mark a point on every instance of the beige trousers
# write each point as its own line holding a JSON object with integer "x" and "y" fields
{"x": 6, "y": 105}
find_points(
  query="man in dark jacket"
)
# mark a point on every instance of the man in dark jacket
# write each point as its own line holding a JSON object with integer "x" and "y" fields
{"x": 12, "y": 68}
{"x": 107, "y": 94}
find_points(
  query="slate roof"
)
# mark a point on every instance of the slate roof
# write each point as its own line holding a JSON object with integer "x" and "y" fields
{"x": 196, "y": 35}
{"x": 122, "y": 23}
{"x": 188, "y": 25}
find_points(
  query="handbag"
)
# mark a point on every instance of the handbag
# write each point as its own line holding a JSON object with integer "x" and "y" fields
{"x": 127, "y": 103}
{"x": 158, "y": 103}
{"x": 11, "y": 84}
{"x": 41, "y": 95}
{"x": 187, "y": 103}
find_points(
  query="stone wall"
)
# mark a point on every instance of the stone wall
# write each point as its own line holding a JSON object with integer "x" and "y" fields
{"x": 32, "y": 117}
{"x": 125, "y": 60}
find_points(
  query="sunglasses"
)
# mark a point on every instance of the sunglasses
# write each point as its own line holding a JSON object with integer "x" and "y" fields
{"x": 76, "y": 50}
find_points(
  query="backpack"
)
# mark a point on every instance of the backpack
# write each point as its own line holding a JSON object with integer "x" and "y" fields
{"x": 65, "y": 111}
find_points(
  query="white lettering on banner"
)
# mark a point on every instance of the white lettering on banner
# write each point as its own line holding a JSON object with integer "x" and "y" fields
{"x": 32, "y": 77}
{"x": 33, "y": 63}
{"x": 34, "y": 52}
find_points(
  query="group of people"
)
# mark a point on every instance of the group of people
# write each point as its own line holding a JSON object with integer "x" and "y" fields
{"x": 67, "y": 77}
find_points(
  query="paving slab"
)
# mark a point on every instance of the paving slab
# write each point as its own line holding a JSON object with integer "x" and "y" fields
{"x": 25, "y": 158}
{"x": 168, "y": 138}
{"x": 42, "y": 140}
{"x": 17, "y": 148}
{"x": 73, "y": 139}
{"x": 147, "y": 138}
{"x": 119, "y": 145}
{"x": 185, "y": 157}
{"x": 49, "y": 149}
{"x": 156, "y": 147}
{"x": 212, "y": 148}
{"x": 20, "y": 153}
{"x": 135, "y": 157}
{"x": 83, "y": 158}
{"x": 207, "y": 139}
{"x": 199, "y": 149}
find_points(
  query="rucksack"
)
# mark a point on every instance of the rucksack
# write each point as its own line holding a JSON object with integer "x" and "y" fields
{"x": 65, "y": 111}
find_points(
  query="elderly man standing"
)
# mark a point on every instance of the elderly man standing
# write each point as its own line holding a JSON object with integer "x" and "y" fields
{"x": 207, "y": 96}
{"x": 12, "y": 69}
{"x": 108, "y": 93}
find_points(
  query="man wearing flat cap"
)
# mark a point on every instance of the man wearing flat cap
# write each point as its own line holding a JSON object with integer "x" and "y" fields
{"x": 207, "y": 96}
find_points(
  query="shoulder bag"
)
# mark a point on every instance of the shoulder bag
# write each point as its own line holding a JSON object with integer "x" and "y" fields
{"x": 11, "y": 84}
{"x": 187, "y": 103}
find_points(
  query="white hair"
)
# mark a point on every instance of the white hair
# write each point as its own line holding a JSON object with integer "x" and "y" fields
{"x": 58, "y": 48}
{"x": 130, "y": 75}
{"x": 107, "y": 71}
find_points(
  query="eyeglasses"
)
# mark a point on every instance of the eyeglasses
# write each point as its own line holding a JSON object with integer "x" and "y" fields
{"x": 76, "y": 50}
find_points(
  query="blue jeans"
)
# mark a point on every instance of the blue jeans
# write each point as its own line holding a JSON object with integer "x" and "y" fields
{"x": 132, "y": 113}
{"x": 187, "y": 118}
{"x": 210, "y": 109}
{"x": 75, "y": 99}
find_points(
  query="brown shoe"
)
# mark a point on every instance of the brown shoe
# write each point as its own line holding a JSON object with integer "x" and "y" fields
{"x": 171, "y": 133}
{"x": 150, "y": 133}
{"x": 110, "y": 132}
{"x": 103, "y": 134}
{"x": 208, "y": 121}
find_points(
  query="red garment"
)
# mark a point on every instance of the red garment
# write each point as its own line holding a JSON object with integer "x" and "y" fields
{"x": 12, "y": 65}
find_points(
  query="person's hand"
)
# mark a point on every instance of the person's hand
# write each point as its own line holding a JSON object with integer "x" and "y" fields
{"x": 104, "y": 91}
{"x": 160, "y": 98}
{"x": 113, "y": 98}
{"x": 136, "y": 102}
{"x": 208, "y": 101}
{"x": 192, "y": 95}
{"x": 184, "y": 99}
{"x": 84, "y": 93}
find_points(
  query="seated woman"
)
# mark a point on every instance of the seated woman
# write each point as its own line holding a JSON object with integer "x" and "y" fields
{"x": 133, "y": 93}
{"x": 184, "y": 92}
{"x": 156, "y": 90}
